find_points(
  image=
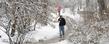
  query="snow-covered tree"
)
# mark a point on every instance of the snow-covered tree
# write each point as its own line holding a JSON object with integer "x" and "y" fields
{"x": 20, "y": 14}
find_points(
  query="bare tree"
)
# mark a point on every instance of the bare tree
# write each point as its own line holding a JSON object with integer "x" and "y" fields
{"x": 20, "y": 14}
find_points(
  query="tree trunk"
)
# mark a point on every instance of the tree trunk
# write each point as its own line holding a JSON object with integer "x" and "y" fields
{"x": 102, "y": 6}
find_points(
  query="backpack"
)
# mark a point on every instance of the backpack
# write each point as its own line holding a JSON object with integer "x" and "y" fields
{"x": 64, "y": 21}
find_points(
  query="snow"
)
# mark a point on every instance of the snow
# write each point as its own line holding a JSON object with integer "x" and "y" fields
{"x": 48, "y": 32}
{"x": 2, "y": 0}
{"x": 104, "y": 42}
{"x": 2, "y": 29}
{"x": 44, "y": 32}
{"x": 62, "y": 42}
{"x": 3, "y": 42}
{"x": 74, "y": 15}
{"x": 4, "y": 37}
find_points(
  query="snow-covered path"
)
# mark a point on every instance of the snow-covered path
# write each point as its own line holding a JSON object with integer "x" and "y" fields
{"x": 56, "y": 39}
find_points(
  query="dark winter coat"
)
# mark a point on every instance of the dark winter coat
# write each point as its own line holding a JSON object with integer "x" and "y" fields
{"x": 62, "y": 21}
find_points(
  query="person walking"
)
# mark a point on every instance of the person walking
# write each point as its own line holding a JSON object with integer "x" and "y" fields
{"x": 62, "y": 23}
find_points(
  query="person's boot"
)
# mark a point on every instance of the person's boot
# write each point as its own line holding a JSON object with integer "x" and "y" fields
{"x": 60, "y": 36}
{"x": 62, "y": 33}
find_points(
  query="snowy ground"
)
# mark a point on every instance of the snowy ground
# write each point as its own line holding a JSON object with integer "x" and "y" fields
{"x": 4, "y": 37}
{"x": 62, "y": 42}
{"x": 44, "y": 32}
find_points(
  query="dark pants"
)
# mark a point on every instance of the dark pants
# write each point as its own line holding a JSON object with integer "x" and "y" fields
{"x": 59, "y": 13}
{"x": 61, "y": 30}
